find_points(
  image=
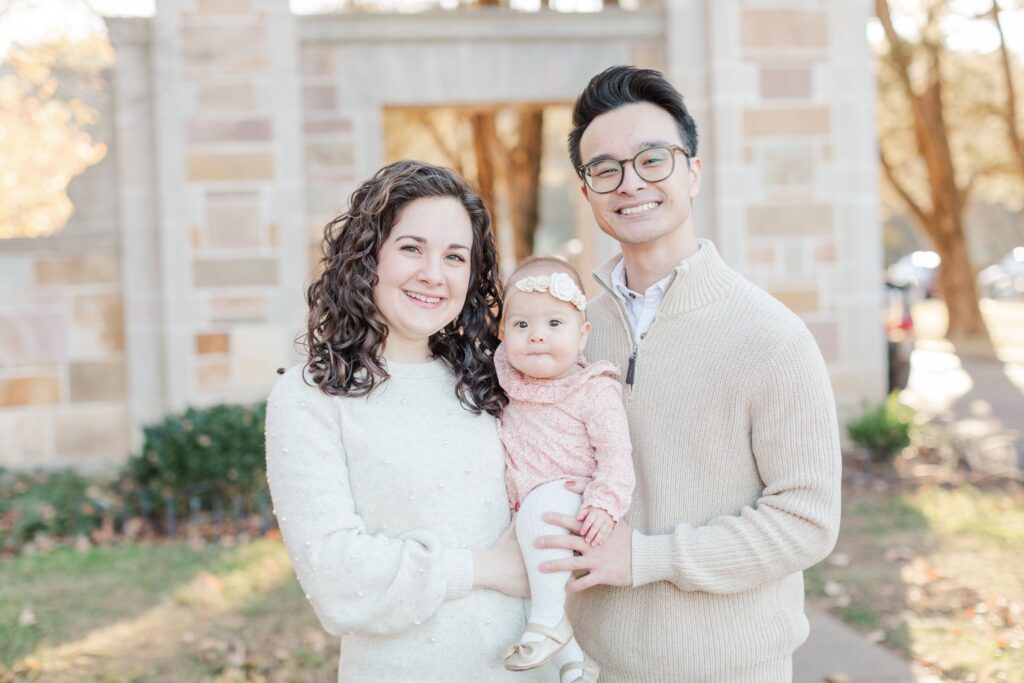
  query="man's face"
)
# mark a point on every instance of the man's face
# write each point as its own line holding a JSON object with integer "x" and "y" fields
{"x": 640, "y": 212}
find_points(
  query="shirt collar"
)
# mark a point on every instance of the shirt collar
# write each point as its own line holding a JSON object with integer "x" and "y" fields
{"x": 700, "y": 279}
{"x": 655, "y": 291}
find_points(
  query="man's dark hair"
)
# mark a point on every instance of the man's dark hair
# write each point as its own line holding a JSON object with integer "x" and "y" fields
{"x": 618, "y": 86}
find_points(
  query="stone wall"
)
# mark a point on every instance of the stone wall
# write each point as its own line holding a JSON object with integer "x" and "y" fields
{"x": 237, "y": 130}
{"x": 792, "y": 97}
{"x": 62, "y": 371}
{"x": 229, "y": 163}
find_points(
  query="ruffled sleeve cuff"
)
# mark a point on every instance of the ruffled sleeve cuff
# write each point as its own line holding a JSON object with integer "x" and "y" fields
{"x": 596, "y": 497}
{"x": 460, "y": 573}
{"x": 652, "y": 558}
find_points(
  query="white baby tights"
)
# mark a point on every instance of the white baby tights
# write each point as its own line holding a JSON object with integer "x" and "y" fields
{"x": 547, "y": 591}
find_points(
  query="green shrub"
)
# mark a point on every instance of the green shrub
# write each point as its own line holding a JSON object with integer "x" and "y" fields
{"x": 883, "y": 431}
{"x": 56, "y": 503}
{"x": 213, "y": 455}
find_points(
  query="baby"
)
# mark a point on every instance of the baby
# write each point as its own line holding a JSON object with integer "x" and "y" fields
{"x": 565, "y": 420}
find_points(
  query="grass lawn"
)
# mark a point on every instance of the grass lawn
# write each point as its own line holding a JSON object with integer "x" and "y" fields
{"x": 164, "y": 612}
{"x": 935, "y": 573}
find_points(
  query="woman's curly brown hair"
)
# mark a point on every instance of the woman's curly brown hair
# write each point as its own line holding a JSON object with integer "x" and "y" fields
{"x": 345, "y": 334}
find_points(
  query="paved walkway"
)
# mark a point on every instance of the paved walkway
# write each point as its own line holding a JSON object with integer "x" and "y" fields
{"x": 981, "y": 401}
{"x": 836, "y": 653}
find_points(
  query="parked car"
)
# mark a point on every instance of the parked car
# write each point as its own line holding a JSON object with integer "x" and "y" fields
{"x": 1004, "y": 279}
{"x": 899, "y": 331}
{"x": 918, "y": 270}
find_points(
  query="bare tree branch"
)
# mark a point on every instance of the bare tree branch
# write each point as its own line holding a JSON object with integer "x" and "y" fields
{"x": 424, "y": 118}
{"x": 1010, "y": 113}
{"x": 890, "y": 175}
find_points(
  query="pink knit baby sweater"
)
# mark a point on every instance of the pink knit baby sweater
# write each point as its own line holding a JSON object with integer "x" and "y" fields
{"x": 575, "y": 426}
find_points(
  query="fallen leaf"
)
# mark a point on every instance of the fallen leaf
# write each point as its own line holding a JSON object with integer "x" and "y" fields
{"x": 133, "y": 527}
{"x": 213, "y": 644}
{"x": 316, "y": 641}
{"x": 44, "y": 543}
{"x": 105, "y": 534}
{"x": 898, "y": 554}
{"x": 27, "y": 617}
{"x": 834, "y": 588}
{"x": 876, "y": 636}
{"x": 837, "y": 677}
{"x": 839, "y": 560}
{"x": 238, "y": 653}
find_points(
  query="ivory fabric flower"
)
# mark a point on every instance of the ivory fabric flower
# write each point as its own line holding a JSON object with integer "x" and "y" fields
{"x": 562, "y": 287}
{"x": 559, "y": 285}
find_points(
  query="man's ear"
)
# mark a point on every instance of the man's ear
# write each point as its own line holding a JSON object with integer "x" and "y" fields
{"x": 695, "y": 175}
{"x": 583, "y": 189}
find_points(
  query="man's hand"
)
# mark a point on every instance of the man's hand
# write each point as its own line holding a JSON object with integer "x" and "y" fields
{"x": 610, "y": 564}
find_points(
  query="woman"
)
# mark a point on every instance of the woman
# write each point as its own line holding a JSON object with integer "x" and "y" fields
{"x": 382, "y": 452}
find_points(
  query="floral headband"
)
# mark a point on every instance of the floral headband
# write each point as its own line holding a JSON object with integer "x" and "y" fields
{"x": 559, "y": 285}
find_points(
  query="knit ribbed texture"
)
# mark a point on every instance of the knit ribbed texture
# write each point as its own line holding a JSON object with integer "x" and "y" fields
{"x": 736, "y": 452}
{"x": 547, "y": 590}
{"x": 381, "y": 501}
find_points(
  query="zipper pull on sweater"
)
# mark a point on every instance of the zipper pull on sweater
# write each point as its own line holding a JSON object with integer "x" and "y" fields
{"x": 631, "y": 367}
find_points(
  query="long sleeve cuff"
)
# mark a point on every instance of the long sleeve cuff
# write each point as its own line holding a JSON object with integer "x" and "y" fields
{"x": 652, "y": 558}
{"x": 460, "y": 573}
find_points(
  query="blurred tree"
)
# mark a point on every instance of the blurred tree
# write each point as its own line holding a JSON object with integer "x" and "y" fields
{"x": 1010, "y": 117}
{"x": 524, "y": 157}
{"x": 932, "y": 104}
{"x": 44, "y": 130}
{"x": 497, "y": 147}
{"x": 516, "y": 159}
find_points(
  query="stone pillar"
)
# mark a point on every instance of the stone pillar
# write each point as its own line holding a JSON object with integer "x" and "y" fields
{"x": 139, "y": 223}
{"x": 784, "y": 99}
{"x": 231, "y": 192}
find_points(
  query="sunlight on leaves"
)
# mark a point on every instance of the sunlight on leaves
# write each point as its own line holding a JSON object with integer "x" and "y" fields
{"x": 45, "y": 138}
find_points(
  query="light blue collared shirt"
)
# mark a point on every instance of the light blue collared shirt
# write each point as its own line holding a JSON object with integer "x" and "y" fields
{"x": 640, "y": 308}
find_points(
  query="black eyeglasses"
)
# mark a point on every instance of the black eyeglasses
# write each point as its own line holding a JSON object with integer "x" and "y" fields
{"x": 651, "y": 164}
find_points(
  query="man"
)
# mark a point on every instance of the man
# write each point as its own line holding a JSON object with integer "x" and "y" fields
{"x": 731, "y": 415}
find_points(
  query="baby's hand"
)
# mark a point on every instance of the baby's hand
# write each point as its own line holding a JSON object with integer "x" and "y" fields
{"x": 597, "y": 525}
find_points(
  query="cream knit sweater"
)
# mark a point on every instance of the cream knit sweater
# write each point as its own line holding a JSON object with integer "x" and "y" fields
{"x": 380, "y": 501}
{"x": 736, "y": 451}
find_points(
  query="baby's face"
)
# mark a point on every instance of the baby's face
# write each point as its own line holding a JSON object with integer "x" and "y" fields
{"x": 543, "y": 335}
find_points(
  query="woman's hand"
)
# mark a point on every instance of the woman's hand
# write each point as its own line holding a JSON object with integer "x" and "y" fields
{"x": 501, "y": 567}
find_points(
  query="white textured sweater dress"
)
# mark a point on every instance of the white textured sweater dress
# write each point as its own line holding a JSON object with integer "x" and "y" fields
{"x": 381, "y": 501}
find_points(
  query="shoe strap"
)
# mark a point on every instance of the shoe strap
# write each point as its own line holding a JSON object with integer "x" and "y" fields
{"x": 545, "y": 631}
{"x": 582, "y": 666}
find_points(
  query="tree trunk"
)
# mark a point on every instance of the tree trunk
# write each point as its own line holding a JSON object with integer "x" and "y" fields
{"x": 485, "y": 145}
{"x": 957, "y": 282}
{"x": 942, "y": 221}
{"x": 524, "y": 180}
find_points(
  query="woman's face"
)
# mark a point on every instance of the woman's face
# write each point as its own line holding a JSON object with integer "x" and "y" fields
{"x": 423, "y": 271}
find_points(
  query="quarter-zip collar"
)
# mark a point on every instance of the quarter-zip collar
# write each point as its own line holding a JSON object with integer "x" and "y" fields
{"x": 697, "y": 281}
